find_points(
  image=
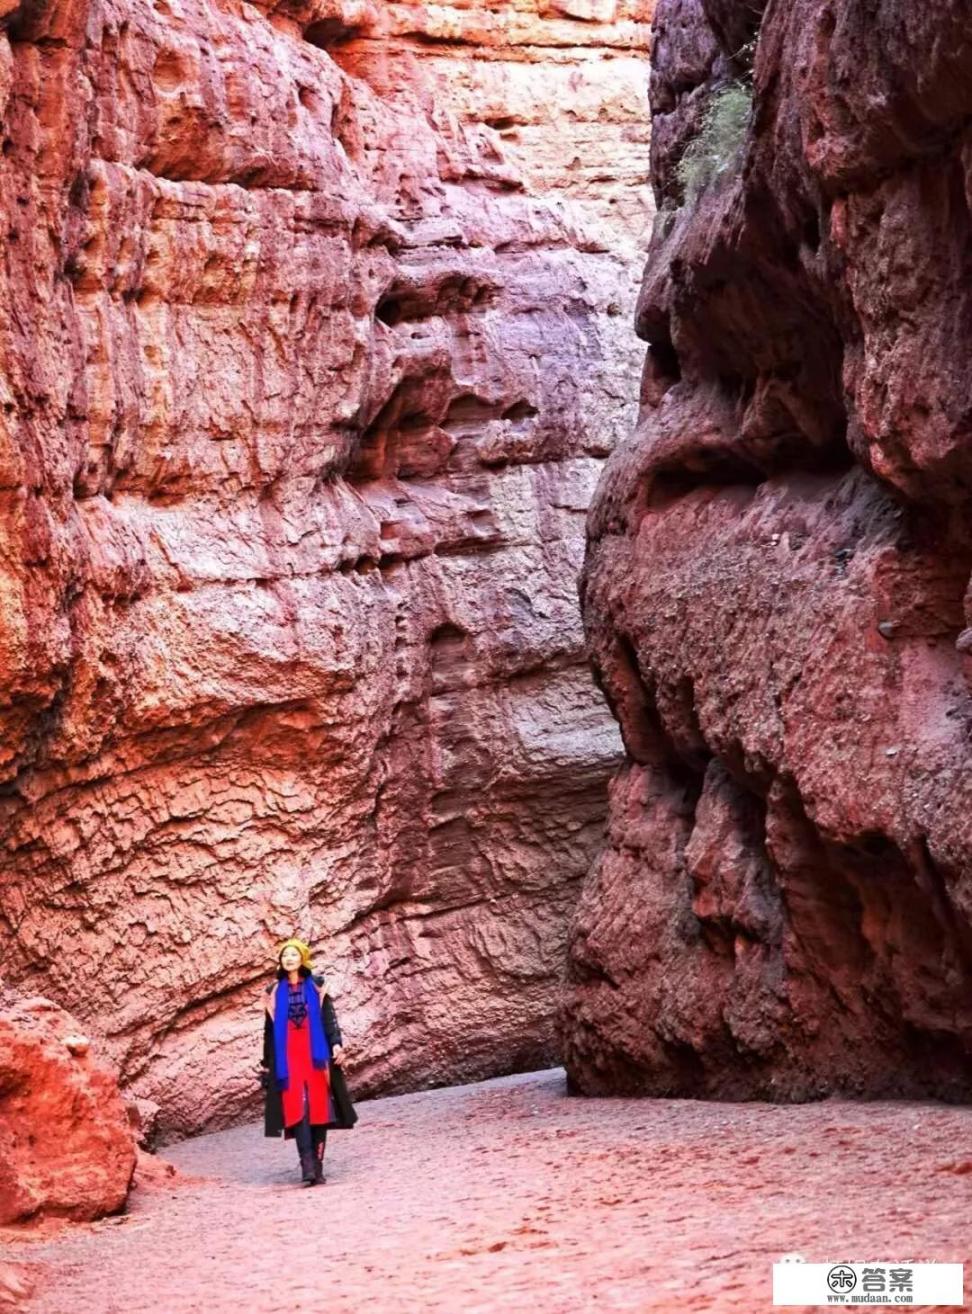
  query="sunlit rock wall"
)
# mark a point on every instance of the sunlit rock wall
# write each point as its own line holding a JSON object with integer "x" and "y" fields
{"x": 315, "y": 334}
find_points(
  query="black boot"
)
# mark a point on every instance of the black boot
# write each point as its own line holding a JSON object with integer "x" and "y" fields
{"x": 308, "y": 1169}
{"x": 319, "y": 1163}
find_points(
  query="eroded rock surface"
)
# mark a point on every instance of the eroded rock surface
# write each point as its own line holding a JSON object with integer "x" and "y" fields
{"x": 776, "y": 587}
{"x": 315, "y": 337}
{"x": 66, "y": 1147}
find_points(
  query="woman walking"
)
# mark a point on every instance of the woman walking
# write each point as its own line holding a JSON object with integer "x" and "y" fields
{"x": 302, "y": 1056}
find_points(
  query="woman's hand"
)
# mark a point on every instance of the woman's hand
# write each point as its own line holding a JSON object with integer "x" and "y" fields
{"x": 338, "y": 1055}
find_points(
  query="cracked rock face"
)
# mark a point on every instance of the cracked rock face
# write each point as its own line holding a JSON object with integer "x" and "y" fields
{"x": 314, "y": 340}
{"x": 776, "y": 585}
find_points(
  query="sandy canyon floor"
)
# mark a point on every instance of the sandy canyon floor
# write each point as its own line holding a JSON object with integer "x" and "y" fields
{"x": 509, "y": 1195}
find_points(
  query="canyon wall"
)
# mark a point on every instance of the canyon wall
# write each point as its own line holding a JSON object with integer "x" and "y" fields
{"x": 776, "y": 588}
{"x": 315, "y": 336}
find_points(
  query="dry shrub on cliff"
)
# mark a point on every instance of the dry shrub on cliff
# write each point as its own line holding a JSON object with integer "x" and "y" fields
{"x": 716, "y": 147}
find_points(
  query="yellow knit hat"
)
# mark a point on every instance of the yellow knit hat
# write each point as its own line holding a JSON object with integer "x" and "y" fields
{"x": 302, "y": 949}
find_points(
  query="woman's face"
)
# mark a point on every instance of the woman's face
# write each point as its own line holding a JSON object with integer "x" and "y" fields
{"x": 290, "y": 959}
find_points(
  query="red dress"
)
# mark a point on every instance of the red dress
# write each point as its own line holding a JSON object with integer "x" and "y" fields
{"x": 303, "y": 1076}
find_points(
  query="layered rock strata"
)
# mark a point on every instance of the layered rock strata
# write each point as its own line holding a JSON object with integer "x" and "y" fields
{"x": 314, "y": 339}
{"x": 777, "y": 581}
{"x": 66, "y": 1147}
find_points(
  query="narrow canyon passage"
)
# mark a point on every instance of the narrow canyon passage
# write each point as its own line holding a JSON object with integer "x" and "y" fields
{"x": 584, "y": 673}
{"x": 509, "y": 1195}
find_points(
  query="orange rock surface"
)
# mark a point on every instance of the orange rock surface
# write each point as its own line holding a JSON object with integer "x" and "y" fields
{"x": 314, "y": 334}
{"x": 66, "y": 1148}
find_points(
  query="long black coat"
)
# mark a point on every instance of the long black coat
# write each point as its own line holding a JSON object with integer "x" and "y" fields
{"x": 345, "y": 1115}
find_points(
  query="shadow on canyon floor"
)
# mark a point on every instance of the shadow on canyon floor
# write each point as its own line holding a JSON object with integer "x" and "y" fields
{"x": 509, "y": 1194}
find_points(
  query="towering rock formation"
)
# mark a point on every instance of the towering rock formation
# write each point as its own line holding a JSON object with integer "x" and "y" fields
{"x": 314, "y": 338}
{"x": 776, "y": 588}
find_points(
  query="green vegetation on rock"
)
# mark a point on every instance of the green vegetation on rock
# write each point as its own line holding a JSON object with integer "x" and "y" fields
{"x": 717, "y": 145}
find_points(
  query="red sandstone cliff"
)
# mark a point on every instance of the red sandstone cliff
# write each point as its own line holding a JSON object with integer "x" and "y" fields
{"x": 315, "y": 334}
{"x": 776, "y": 586}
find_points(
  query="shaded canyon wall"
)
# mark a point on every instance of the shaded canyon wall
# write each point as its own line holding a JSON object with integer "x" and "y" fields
{"x": 776, "y": 587}
{"x": 315, "y": 336}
